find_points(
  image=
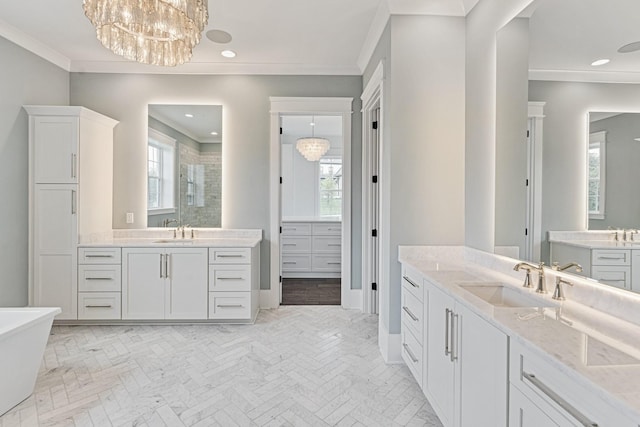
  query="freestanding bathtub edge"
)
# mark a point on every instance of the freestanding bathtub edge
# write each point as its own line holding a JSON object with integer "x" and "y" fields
{"x": 23, "y": 337}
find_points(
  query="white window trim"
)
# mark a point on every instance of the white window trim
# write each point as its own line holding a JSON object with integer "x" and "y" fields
{"x": 599, "y": 139}
{"x": 161, "y": 140}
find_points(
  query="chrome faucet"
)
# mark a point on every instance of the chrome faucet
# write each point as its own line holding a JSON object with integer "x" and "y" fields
{"x": 556, "y": 266}
{"x": 558, "y": 293}
{"x": 541, "y": 288}
{"x": 167, "y": 221}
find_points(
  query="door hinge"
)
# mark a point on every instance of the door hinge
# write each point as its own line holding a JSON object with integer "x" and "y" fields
{"x": 526, "y": 182}
{"x": 374, "y": 125}
{"x": 374, "y": 233}
{"x": 280, "y": 279}
{"x": 526, "y": 231}
{"x": 280, "y": 180}
{"x": 280, "y": 229}
{"x": 374, "y": 286}
{"x": 280, "y": 130}
{"x": 374, "y": 179}
{"x": 527, "y": 134}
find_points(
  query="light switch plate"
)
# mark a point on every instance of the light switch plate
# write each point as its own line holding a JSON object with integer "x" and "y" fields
{"x": 129, "y": 217}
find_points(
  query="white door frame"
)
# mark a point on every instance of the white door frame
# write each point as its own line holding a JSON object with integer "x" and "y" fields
{"x": 339, "y": 106}
{"x": 371, "y": 100}
{"x": 533, "y": 239}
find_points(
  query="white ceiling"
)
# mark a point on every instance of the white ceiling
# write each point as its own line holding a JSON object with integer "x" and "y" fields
{"x": 333, "y": 37}
{"x": 206, "y": 119}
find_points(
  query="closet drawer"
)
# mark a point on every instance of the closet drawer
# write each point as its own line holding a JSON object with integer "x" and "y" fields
{"x": 412, "y": 282}
{"x": 99, "y": 256}
{"x": 327, "y": 263}
{"x": 326, "y": 244}
{"x": 229, "y": 256}
{"x": 324, "y": 229}
{"x": 99, "y": 305}
{"x": 618, "y": 276}
{"x": 292, "y": 244}
{"x": 611, "y": 257}
{"x": 291, "y": 262}
{"x": 99, "y": 278}
{"x": 229, "y": 278}
{"x": 296, "y": 229}
{"x": 412, "y": 354}
{"x": 412, "y": 314}
{"x": 229, "y": 305}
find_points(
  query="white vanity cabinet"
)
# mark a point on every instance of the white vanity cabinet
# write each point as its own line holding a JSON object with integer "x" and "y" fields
{"x": 164, "y": 283}
{"x": 234, "y": 284}
{"x": 413, "y": 324}
{"x": 99, "y": 283}
{"x": 70, "y": 195}
{"x": 466, "y": 364}
{"x": 544, "y": 395}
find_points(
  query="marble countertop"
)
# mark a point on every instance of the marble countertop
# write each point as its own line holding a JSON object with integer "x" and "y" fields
{"x": 164, "y": 237}
{"x": 171, "y": 242}
{"x": 599, "y": 244}
{"x": 609, "y": 365}
{"x": 311, "y": 219}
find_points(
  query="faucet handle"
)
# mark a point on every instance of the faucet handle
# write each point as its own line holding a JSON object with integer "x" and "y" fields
{"x": 558, "y": 293}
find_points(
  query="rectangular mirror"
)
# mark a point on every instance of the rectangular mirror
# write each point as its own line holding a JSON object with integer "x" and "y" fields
{"x": 184, "y": 165}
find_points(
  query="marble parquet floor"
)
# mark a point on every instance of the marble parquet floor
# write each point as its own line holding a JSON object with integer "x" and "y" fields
{"x": 297, "y": 366}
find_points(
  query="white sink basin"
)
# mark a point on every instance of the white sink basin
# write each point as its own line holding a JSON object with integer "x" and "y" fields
{"x": 500, "y": 295}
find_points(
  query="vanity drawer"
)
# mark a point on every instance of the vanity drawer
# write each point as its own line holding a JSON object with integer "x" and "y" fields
{"x": 412, "y": 282}
{"x": 326, "y": 244}
{"x": 412, "y": 354}
{"x": 229, "y": 278}
{"x": 610, "y": 257}
{"x": 326, "y": 263}
{"x": 539, "y": 379}
{"x": 229, "y": 256}
{"x": 99, "y": 305}
{"x": 327, "y": 229}
{"x": 296, "y": 229}
{"x": 295, "y": 262}
{"x": 229, "y": 305}
{"x": 99, "y": 256}
{"x": 292, "y": 244}
{"x": 620, "y": 277}
{"x": 412, "y": 314}
{"x": 99, "y": 278}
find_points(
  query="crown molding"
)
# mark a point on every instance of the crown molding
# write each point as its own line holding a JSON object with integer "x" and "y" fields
{"x": 585, "y": 76}
{"x": 34, "y": 46}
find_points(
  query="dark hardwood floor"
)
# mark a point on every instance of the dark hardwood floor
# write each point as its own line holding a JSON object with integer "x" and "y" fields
{"x": 311, "y": 291}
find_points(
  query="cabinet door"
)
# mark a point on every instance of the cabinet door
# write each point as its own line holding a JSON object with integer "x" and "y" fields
{"x": 55, "y": 145}
{"x": 187, "y": 293}
{"x": 524, "y": 413}
{"x": 440, "y": 368}
{"x": 482, "y": 371}
{"x": 143, "y": 283}
{"x": 55, "y": 257}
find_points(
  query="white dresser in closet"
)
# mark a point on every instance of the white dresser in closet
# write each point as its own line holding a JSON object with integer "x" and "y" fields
{"x": 311, "y": 249}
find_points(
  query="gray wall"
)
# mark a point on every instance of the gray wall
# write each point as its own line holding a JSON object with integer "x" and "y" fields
{"x": 246, "y": 121}
{"x": 622, "y": 170}
{"x": 423, "y": 146}
{"x": 24, "y": 79}
{"x": 565, "y": 143}
{"x": 511, "y": 138}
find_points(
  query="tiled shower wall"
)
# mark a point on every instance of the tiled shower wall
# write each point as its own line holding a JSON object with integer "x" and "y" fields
{"x": 208, "y": 215}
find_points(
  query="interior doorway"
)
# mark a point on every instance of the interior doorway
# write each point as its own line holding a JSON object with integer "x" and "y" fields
{"x": 533, "y": 184}
{"x": 296, "y": 227}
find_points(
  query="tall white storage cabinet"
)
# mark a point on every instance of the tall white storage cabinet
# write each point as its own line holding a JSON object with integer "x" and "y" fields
{"x": 71, "y": 188}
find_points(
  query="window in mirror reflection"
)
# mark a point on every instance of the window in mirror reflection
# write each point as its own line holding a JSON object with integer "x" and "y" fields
{"x": 160, "y": 168}
{"x": 597, "y": 157}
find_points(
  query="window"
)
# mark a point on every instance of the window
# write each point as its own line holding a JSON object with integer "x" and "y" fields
{"x": 330, "y": 190}
{"x": 597, "y": 161}
{"x": 160, "y": 172}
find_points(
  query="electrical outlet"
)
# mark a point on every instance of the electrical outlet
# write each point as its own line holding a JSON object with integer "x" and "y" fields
{"x": 129, "y": 217}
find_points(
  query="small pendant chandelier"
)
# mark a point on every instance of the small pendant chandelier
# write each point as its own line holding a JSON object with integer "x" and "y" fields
{"x": 311, "y": 147}
{"x": 157, "y": 32}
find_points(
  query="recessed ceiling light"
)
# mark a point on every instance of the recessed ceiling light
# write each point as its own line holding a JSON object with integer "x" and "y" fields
{"x": 600, "y": 62}
{"x": 188, "y": 115}
{"x": 228, "y": 54}
{"x": 214, "y": 133}
{"x": 218, "y": 36}
{"x": 631, "y": 47}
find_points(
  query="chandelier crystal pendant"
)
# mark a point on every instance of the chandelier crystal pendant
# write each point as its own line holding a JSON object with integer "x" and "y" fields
{"x": 311, "y": 147}
{"x": 157, "y": 32}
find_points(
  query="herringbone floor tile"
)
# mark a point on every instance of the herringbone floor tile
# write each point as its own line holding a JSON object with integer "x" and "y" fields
{"x": 297, "y": 366}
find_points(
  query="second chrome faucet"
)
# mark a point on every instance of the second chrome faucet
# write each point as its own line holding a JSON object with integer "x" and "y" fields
{"x": 541, "y": 287}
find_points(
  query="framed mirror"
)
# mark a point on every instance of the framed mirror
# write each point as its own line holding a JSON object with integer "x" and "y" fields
{"x": 184, "y": 165}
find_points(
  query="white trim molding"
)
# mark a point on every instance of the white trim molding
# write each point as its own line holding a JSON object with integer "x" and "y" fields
{"x": 309, "y": 105}
{"x": 390, "y": 345}
{"x": 34, "y": 46}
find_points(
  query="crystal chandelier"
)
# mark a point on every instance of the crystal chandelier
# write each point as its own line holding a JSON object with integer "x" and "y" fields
{"x": 312, "y": 148}
{"x": 158, "y": 32}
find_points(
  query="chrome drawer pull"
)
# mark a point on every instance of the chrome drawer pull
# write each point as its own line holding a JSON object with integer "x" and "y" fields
{"x": 447, "y": 313}
{"x": 334, "y": 244}
{"x": 410, "y": 282}
{"x": 333, "y": 263}
{"x": 229, "y": 305}
{"x": 230, "y": 256}
{"x": 98, "y": 256}
{"x": 230, "y": 278}
{"x": 289, "y": 244}
{"x": 604, "y": 279}
{"x": 289, "y": 262}
{"x": 408, "y": 350}
{"x": 98, "y": 278}
{"x": 413, "y": 316}
{"x": 99, "y": 306}
{"x": 610, "y": 257}
{"x": 581, "y": 418}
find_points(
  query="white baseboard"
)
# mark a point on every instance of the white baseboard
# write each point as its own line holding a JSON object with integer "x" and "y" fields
{"x": 352, "y": 299}
{"x": 390, "y": 345}
{"x": 268, "y": 299}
